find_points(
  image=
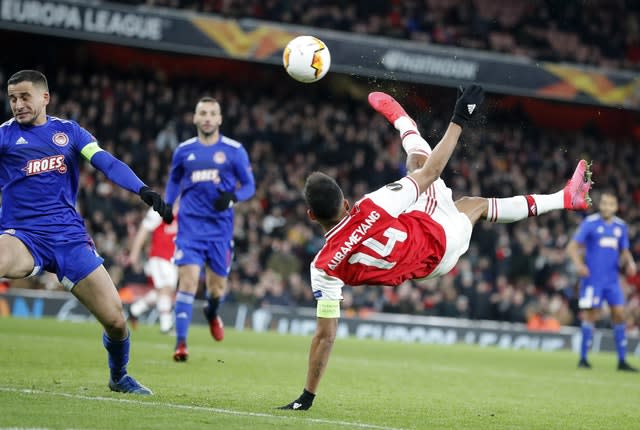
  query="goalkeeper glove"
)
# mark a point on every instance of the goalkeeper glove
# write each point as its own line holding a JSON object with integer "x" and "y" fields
{"x": 469, "y": 100}
{"x": 302, "y": 403}
{"x": 154, "y": 199}
{"x": 225, "y": 201}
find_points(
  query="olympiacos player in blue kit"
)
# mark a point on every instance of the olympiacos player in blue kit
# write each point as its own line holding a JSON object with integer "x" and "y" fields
{"x": 598, "y": 249}
{"x": 40, "y": 228}
{"x": 209, "y": 173}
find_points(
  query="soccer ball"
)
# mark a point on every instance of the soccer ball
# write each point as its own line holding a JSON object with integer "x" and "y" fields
{"x": 306, "y": 59}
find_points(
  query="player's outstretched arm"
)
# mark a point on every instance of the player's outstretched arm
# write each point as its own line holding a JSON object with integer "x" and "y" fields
{"x": 628, "y": 263}
{"x": 466, "y": 106}
{"x": 321, "y": 346}
{"x": 123, "y": 176}
{"x": 137, "y": 244}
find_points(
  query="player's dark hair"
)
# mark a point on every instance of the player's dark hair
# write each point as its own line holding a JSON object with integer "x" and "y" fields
{"x": 608, "y": 192}
{"x": 323, "y": 196}
{"x": 33, "y": 76}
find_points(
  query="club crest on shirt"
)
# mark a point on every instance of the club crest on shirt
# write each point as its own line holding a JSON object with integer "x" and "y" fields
{"x": 219, "y": 157}
{"x": 60, "y": 139}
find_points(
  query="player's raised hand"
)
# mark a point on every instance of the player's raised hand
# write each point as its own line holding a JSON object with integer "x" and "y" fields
{"x": 225, "y": 201}
{"x": 469, "y": 100}
{"x": 155, "y": 200}
{"x": 302, "y": 403}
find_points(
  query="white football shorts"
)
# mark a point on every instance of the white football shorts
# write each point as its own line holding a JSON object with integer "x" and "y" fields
{"x": 162, "y": 272}
{"x": 438, "y": 203}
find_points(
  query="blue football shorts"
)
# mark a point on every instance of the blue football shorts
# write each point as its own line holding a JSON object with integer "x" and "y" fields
{"x": 593, "y": 293}
{"x": 72, "y": 257}
{"x": 217, "y": 255}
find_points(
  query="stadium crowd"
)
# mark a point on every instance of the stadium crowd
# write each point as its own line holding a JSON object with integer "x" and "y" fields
{"x": 604, "y": 33}
{"x": 517, "y": 272}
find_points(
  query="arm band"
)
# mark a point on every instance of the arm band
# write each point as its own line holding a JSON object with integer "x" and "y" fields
{"x": 328, "y": 309}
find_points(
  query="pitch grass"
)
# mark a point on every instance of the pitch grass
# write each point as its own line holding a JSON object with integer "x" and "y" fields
{"x": 53, "y": 375}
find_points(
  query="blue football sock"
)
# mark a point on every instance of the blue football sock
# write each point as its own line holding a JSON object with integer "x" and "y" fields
{"x": 184, "y": 309}
{"x": 621, "y": 341}
{"x": 587, "y": 335}
{"x": 118, "y": 355}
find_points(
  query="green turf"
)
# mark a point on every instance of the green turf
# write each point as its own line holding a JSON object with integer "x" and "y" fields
{"x": 53, "y": 375}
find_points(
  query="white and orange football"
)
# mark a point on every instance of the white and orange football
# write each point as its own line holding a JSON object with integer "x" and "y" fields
{"x": 306, "y": 59}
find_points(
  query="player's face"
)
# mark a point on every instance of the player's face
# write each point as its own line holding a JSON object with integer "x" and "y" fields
{"x": 207, "y": 118}
{"x": 28, "y": 103}
{"x": 608, "y": 206}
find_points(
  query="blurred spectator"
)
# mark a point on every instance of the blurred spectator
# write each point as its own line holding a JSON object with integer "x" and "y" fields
{"x": 540, "y": 319}
{"x": 598, "y": 32}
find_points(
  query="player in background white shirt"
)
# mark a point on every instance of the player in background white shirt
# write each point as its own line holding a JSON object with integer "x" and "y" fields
{"x": 158, "y": 267}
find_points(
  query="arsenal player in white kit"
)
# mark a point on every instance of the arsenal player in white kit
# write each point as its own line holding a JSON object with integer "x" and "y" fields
{"x": 408, "y": 229}
{"x": 159, "y": 267}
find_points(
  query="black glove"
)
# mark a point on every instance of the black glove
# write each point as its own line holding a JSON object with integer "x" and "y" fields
{"x": 154, "y": 199}
{"x": 468, "y": 102}
{"x": 225, "y": 201}
{"x": 302, "y": 403}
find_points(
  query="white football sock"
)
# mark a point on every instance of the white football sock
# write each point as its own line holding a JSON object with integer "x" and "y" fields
{"x": 412, "y": 141}
{"x": 164, "y": 304}
{"x": 138, "y": 308}
{"x": 151, "y": 297}
{"x": 516, "y": 208}
{"x": 166, "y": 321}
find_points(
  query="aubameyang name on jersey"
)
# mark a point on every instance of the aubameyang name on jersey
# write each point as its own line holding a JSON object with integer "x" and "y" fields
{"x": 206, "y": 175}
{"x": 354, "y": 238}
{"x": 46, "y": 164}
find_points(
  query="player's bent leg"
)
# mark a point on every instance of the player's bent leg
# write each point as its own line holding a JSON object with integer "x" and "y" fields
{"x": 412, "y": 142}
{"x": 216, "y": 285}
{"x": 617, "y": 314}
{"x": 574, "y": 196}
{"x": 164, "y": 275}
{"x": 415, "y": 160}
{"x": 188, "y": 276}
{"x": 16, "y": 261}
{"x": 98, "y": 293}
{"x": 474, "y": 208}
